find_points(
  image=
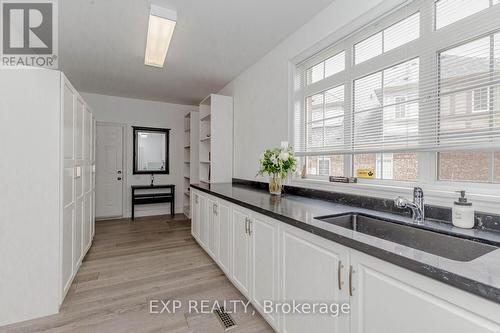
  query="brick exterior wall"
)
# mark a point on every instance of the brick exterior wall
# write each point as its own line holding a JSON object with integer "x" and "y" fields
{"x": 453, "y": 166}
{"x": 467, "y": 166}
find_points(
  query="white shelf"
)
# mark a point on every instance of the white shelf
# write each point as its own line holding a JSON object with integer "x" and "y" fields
{"x": 206, "y": 118}
{"x": 191, "y": 156}
{"x": 220, "y": 150}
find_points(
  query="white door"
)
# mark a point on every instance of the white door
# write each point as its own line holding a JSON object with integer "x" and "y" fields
{"x": 240, "y": 250}
{"x": 313, "y": 271}
{"x": 390, "y": 299}
{"x": 224, "y": 236}
{"x": 264, "y": 264}
{"x": 109, "y": 171}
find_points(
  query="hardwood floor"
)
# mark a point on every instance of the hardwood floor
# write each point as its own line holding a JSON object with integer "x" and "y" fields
{"x": 133, "y": 262}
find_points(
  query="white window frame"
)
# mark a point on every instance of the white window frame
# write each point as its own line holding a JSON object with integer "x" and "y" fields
{"x": 437, "y": 191}
{"x": 399, "y": 114}
{"x": 473, "y": 106}
{"x": 329, "y": 164}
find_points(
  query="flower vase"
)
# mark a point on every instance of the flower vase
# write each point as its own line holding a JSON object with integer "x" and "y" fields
{"x": 275, "y": 185}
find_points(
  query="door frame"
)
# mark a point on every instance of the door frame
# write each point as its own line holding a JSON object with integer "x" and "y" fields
{"x": 124, "y": 167}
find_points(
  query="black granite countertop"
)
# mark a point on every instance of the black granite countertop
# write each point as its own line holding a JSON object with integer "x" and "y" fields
{"x": 480, "y": 276}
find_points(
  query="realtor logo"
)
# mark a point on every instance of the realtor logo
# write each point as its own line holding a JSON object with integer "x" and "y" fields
{"x": 29, "y": 33}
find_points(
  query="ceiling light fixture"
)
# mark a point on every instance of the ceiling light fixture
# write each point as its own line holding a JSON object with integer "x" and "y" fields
{"x": 160, "y": 30}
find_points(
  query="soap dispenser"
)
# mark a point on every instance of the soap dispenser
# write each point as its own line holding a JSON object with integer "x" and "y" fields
{"x": 463, "y": 212}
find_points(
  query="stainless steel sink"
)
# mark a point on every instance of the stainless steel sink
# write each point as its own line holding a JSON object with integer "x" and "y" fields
{"x": 444, "y": 245}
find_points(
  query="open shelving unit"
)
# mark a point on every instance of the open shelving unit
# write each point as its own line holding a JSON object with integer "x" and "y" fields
{"x": 216, "y": 139}
{"x": 191, "y": 153}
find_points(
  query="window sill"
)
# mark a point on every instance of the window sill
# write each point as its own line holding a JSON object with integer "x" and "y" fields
{"x": 485, "y": 197}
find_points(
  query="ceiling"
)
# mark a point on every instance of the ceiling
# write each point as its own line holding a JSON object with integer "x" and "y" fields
{"x": 102, "y": 44}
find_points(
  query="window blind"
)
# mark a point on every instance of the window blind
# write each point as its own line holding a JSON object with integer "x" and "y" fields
{"x": 424, "y": 77}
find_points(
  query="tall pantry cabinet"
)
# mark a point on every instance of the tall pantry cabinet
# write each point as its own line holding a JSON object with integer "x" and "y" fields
{"x": 47, "y": 172}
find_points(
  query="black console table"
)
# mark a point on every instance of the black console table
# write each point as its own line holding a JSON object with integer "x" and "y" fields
{"x": 153, "y": 197}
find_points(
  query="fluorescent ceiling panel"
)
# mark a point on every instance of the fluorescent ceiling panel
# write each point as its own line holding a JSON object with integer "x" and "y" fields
{"x": 160, "y": 30}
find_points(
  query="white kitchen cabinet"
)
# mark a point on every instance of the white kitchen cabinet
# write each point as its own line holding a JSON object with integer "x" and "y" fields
{"x": 87, "y": 218}
{"x": 264, "y": 268}
{"x": 82, "y": 164}
{"x": 50, "y": 166}
{"x": 240, "y": 248}
{"x": 67, "y": 248}
{"x": 195, "y": 215}
{"x": 270, "y": 260}
{"x": 79, "y": 114}
{"x": 224, "y": 213}
{"x": 204, "y": 227}
{"x": 313, "y": 271}
{"x": 213, "y": 228}
{"x": 389, "y": 299}
{"x": 78, "y": 235}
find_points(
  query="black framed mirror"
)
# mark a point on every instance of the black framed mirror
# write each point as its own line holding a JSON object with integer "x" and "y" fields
{"x": 151, "y": 150}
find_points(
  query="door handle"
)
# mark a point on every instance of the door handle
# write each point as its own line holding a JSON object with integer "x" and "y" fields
{"x": 339, "y": 274}
{"x": 351, "y": 271}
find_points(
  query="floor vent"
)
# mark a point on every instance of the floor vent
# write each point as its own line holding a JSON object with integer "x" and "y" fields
{"x": 225, "y": 318}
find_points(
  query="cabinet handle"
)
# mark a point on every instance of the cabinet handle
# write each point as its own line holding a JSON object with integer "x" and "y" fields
{"x": 196, "y": 198}
{"x": 249, "y": 227}
{"x": 351, "y": 271}
{"x": 339, "y": 274}
{"x": 214, "y": 209}
{"x": 246, "y": 225}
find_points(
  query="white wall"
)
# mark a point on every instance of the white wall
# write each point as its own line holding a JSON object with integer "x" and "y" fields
{"x": 261, "y": 93}
{"x": 134, "y": 112}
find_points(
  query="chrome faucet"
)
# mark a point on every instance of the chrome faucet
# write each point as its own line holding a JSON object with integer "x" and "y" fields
{"x": 417, "y": 206}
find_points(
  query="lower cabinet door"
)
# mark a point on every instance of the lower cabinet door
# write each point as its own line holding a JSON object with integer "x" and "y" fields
{"x": 86, "y": 222}
{"x": 203, "y": 221}
{"x": 78, "y": 234}
{"x": 213, "y": 229}
{"x": 390, "y": 299}
{"x": 67, "y": 248}
{"x": 92, "y": 222}
{"x": 195, "y": 215}
{"x": 264, "y": 265}
{"x": 313, "y": 273}
{"x": 240, "y": 251}
{"x": 224, "y": 236}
